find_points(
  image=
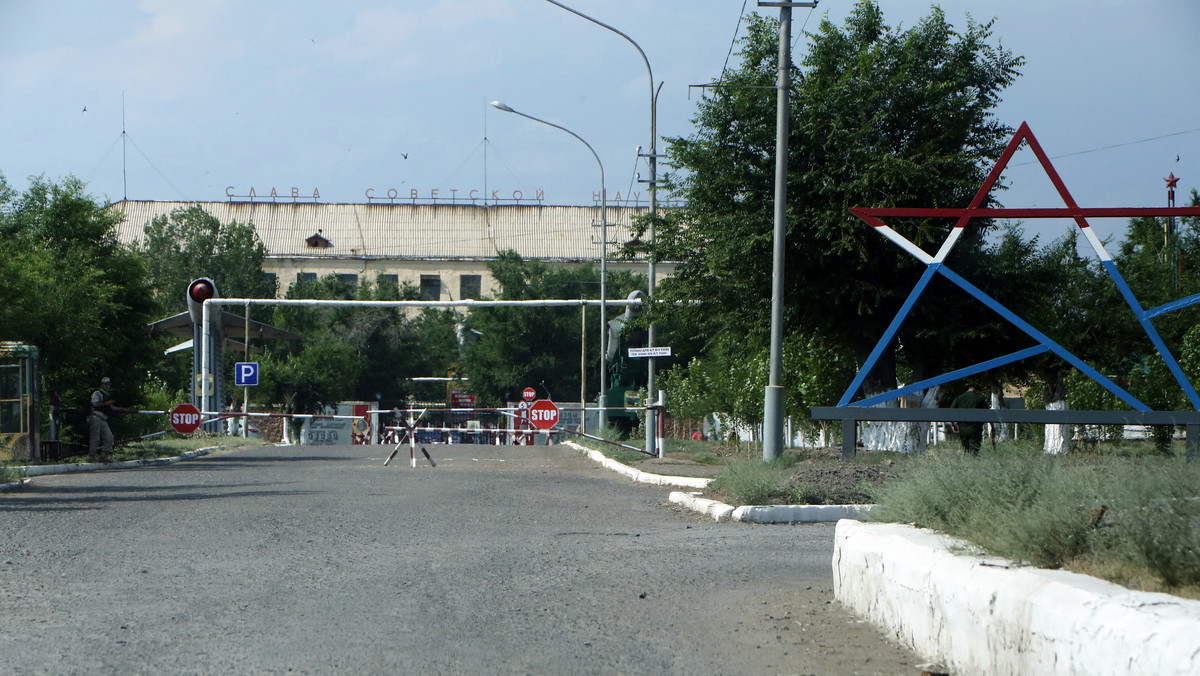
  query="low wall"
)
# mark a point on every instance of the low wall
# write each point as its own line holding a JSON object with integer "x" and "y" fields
{"x": 981, "y": 615}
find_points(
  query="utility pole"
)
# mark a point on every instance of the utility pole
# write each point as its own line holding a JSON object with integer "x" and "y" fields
{"x": 773, "y": 411}
{"x": 652, "y": 440}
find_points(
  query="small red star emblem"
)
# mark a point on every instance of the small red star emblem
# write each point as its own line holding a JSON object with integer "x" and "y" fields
{"x": 1171, "y": 180}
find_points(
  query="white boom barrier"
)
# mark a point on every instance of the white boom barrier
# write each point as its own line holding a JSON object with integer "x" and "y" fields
{"x": 206, "y": 324}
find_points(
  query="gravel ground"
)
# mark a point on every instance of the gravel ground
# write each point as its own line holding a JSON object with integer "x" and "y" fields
{"x": 320, "y": 560}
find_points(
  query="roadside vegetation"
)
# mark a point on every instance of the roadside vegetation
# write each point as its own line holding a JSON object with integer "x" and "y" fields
{"x": 1128, "y": 514}
{"x": 9, "y": 474}
{"x": 169, "y": 445}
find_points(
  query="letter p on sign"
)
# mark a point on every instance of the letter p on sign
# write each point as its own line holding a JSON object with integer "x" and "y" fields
{"x": 245, "y": 373}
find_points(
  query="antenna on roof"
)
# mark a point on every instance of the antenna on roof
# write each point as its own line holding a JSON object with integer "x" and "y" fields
{"x": 124, "y": 179}
{"x": 485, "y": 149}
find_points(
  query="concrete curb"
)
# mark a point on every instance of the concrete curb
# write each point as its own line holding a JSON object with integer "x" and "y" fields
{"x": 720, "y": 511}
{"x": 42, "y": 470}
{"x": 800, "y": 513}
{"x": 637, "y": 475}
{"x": 980, "y": 615}
{"x": 15, "y": 484}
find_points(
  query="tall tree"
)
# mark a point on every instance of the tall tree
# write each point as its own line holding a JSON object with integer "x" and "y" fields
{"x": 359, "y": 353}
{"x": 514, "y": 347}
{"x": 880, "y": 117}
{"x": 72, "y": 290}
{"x": 191, "y": 243}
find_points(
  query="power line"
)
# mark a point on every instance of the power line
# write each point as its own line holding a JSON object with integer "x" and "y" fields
{"x": 733, "y": 42}
{"x": 1115, "y": 145}
{"x": 801, "y": 33}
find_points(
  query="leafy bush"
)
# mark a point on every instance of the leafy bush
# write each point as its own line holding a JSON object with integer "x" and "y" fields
{"x": 8, "y": 474}
{"x": 1108, "y": 513}
{"x": 754, "y": 482}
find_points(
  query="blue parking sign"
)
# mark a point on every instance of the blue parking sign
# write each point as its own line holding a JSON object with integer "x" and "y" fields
{"x": 245, "y": 373}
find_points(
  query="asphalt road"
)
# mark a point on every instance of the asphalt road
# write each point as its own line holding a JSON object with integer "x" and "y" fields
{"x": 318, "y": 559}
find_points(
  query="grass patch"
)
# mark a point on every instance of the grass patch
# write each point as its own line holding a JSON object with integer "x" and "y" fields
{"x": 754, "y": 483}
{"x": 9, "y": 474}
{"x": 1133, "y": 519}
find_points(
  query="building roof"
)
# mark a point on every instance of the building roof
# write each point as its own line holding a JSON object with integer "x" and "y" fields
{"x": 406, "y": 231}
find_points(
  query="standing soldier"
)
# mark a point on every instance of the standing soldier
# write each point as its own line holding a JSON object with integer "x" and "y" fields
{"x": 100, "y": 436}
{"x": 971, "y": 433}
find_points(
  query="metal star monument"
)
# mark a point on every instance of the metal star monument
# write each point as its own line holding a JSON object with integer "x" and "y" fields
{"x": 849, "y": 412}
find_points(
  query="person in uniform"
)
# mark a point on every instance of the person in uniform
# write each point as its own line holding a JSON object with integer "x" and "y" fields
{"x": 971, "y": 433}
{"x": 100, "y": 436}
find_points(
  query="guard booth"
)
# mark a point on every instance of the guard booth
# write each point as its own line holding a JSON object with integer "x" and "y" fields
{"x": 19, "y": 438}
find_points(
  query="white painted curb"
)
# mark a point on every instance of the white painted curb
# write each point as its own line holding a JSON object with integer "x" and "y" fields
{"x": 720, "y": 511}
{"x": 800, "y": 513}
{"x": 987, "y": 616}
{"x": 14, "y": 484}
{"x": 41, "y": 470}
{"x": 639, "y": 476}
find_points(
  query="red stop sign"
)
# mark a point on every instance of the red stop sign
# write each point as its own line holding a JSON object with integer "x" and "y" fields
{"x": 184, "y": 418}
{"x": 528, "y": 394}
{"x": 543, "y": 414}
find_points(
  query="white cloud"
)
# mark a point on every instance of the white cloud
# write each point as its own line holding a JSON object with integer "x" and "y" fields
{"x": 430, "y": 40}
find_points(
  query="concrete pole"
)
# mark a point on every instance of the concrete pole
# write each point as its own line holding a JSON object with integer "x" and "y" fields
{"x": 773, "y": 411}
{"x": 652, "y": 422}
{"x": 653, "y": 158}
{"x": 603, "y": 399}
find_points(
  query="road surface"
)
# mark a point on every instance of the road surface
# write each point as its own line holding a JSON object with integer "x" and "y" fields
{"x": 318, "y": 559}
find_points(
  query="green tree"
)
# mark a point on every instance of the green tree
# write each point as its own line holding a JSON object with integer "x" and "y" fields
{"x": 191, "y": 243}
{"x": 514, "y": 347}
{"x": 880, "y": 117}
{"x": 72, "y": 290}
{"x": 355, "y": 353}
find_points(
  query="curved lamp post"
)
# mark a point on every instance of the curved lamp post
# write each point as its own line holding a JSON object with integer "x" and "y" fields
{"x": 651, "y": 427}
{"x": 603, "y": 400}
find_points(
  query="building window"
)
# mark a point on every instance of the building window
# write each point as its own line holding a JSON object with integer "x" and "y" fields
{"x": 352, "y": 280}
{"x": 431, "y": 287}
{"x": 469, "y": 286}
{"x": 306, "y": 276}
{"x": 272, "y": 280}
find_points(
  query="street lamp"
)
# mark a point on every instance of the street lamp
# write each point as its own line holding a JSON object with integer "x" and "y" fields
{"x": 603, "y": 400}
{"x": 652, "y": 157}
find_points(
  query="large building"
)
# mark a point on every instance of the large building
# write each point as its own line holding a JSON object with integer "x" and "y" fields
{"x": 443, "y": 249}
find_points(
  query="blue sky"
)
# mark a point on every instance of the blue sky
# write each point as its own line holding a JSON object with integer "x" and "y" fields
{"x": 352, "y": 96}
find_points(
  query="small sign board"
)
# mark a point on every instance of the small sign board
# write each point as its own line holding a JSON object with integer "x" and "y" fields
{"x": 663, "y": 351}
{"x": 327, "y": 431}
{"x": 529, "y": 394}
{"x": 461, "y": 399}
{"x": 245, "y": 374}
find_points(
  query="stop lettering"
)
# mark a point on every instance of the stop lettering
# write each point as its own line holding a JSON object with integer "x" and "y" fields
{"x": 543, "y": 414}
{"x": 184, "y": 418}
